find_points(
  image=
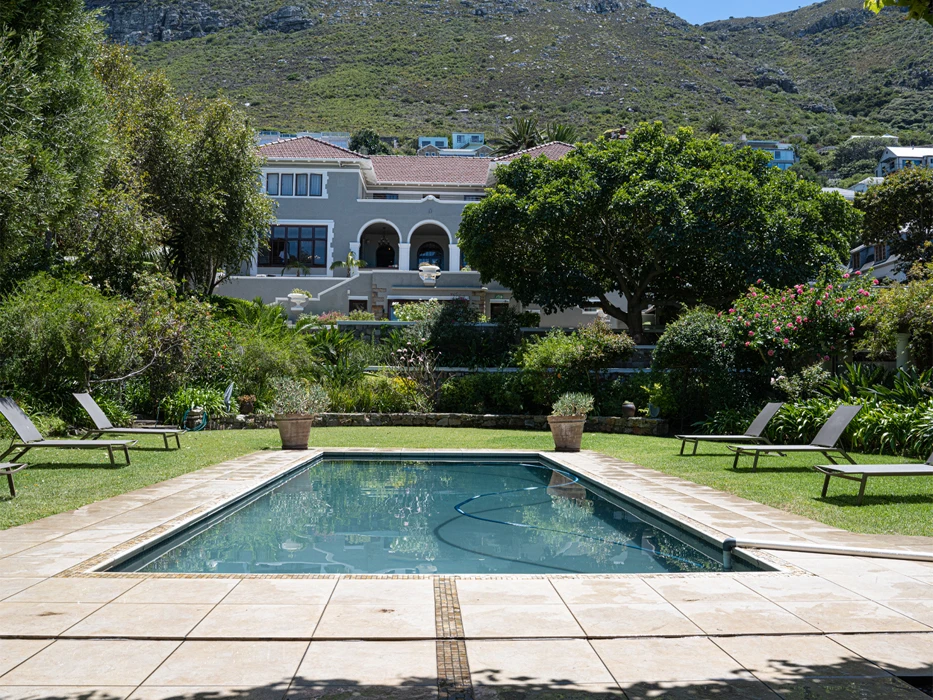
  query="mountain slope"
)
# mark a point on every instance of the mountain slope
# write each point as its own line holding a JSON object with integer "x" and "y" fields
{"x": 408, "y": 68}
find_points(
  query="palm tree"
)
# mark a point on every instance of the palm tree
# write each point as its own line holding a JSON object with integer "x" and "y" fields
{"x": 522, "y": 135}
{"x": 350, "y": 263}
{"x": 716, "y": 124}
{"x": 565, "y": 133}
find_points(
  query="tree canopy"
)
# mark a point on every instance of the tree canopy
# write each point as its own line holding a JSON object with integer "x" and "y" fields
{"x": 916, "y": 9}
{"x": 899, "y": 213}
{"x": 657, "y": 218}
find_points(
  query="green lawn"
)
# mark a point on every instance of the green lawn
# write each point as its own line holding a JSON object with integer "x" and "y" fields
{"x": 63, "y": 480}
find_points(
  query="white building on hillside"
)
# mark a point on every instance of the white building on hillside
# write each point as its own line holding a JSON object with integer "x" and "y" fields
{"x": 897, "y": 158}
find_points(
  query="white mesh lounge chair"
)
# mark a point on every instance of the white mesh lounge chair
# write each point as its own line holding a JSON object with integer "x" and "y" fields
{"x": 30, "y": 437}
{"x": 104, "y": 426}
{"x": 852, "y": 472}
{"x": 8, "y": 469}
{"x": 755, "y": 432}
{"x": 824, "y": 443}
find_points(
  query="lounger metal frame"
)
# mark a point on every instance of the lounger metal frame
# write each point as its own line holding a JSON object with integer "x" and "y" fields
{"x": 867, "y": 470}
{"x": 755, "y": 432}
{"x": 8, "y": 469}
{"x": 104, "y": 426}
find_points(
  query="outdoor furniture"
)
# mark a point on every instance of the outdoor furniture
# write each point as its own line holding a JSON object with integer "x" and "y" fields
{"x": 755, "y": 432}
{"x": 824, "y": 442}
{"x": 9, "y": 469}
{"x": 32, "y": 438}
{"x": 849, "y": 471}
{"x": 103, "y": 425}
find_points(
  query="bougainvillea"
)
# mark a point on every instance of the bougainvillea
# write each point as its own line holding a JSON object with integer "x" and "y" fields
{"x": 796, "y": 326}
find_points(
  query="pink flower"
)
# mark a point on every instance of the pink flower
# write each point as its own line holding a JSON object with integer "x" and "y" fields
{"x": 790, "y": 325}
{"x": 759, "y": 282}
{"x": 845, "y": 276}
{"x": 825, "y": 358}
{"x": 851, "y": 329}
{"x": 805, "y": 319}
{"x": 747, "y": 343}
{"x": 858, "y": 272}
{"x": 785, "y": 341}
{"x": 770, "y": 353}
{"x": 798, "y": 319}
{"x": 751, "y": 334}
{"x": 719, "y": 315}
{"x": 874, "y": 281}
{"x": 829, "y": 286}
{"x": 748, "y": 323}
{"x": 819, "y": 303}
{"x": 765, "y": 296}
{"x": 754, "y": 294}
{"x": 777, "y": 329}
{"x": 858, "y": 308}
{"x": 757, "y": 315}
{"x": 731, "y": 311}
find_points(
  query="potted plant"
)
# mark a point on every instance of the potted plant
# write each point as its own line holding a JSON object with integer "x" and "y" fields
{"x": 295, "y": 404}
{"x": 568, "y": 416}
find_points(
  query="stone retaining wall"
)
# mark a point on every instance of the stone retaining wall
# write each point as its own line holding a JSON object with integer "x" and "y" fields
{"x": 598, "y": 424}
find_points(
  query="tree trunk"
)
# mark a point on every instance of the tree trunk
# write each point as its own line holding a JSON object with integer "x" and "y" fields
{"x": 634, "y": 321}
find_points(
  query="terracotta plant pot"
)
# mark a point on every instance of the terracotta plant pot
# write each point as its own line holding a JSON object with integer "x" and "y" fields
{"x": 294, "y": 429}
{"x": 628, "y": 409}
{"x": 567, "y": 432}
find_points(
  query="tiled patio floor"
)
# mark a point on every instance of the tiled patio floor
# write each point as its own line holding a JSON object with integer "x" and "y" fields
{"x": 821, "y": 627}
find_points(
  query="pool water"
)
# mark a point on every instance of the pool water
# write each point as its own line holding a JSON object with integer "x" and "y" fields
{"x": 423, "y": 517}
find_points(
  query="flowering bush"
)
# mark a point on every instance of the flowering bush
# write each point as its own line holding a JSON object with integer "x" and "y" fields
{"x": 796, "y": 326}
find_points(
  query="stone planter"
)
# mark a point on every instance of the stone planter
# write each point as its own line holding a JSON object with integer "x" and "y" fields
{"x": 195, "y": 416}
{"x": 567, "y": 432}
{"x": 628, "y": 409}
{"x": 247, "y": 407}
{"x": 294, "y": 429}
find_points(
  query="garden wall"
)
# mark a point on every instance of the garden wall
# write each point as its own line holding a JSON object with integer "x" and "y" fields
{"x": 596, "y": 424}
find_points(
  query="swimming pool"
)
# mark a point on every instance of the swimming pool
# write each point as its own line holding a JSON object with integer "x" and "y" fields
{"x": 469, "y": 515}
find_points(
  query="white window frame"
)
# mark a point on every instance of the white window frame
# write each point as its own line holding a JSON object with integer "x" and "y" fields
{"x": 295, "y": 171}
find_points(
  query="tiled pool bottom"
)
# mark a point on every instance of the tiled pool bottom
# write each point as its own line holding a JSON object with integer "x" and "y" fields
{"x": 469, "y": 514}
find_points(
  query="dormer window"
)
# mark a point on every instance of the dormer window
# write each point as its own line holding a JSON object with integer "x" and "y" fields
{"x": 295, "y": 184}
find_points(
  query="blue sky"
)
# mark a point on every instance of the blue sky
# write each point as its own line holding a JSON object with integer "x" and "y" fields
{"x": 699, "y": 11}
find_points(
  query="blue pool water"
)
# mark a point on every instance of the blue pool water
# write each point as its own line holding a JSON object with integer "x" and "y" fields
{"x": 446, "y": 517}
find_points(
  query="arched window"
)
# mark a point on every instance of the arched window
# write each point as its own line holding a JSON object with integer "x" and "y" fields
{"x": 385, "y": 255}
{"x": 432, "y": 254}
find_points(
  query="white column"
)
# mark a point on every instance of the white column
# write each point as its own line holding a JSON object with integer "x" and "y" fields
{"x": 454, "y": 257}
{"x": 902, "y": 354}
{"x": 254, "y": 264}
{"x": 355, "y": 249}
{"x": 404, "y": 256}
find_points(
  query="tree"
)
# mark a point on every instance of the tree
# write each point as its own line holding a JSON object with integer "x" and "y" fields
{"x": 52, "y": 127}
{"x": 899, "y": 214}
{"x": 916, "y": 9}
{"x": 859, "y": 155}
{"x": 716, "y": 124}
{"x": 656, "y": 218}
{"x": 351, "y": 263}
{"x": 367, "y": 142}
{"x": 522, "y": 135}
{"x": 565, "y": 133}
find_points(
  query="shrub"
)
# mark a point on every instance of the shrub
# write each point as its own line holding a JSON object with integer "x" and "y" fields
{"x": 805, "y": 384}
{"x": 482, "y": 392}
{"x": 417, "y": 310}
{"x": 183, "y": 400}
{"x": 297, "y": 396}
{"x": 696, "y": 362}
{"x": 572, "y": 404}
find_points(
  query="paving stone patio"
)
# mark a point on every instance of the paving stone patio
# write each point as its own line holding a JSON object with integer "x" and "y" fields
{"x": 819, "y": 627}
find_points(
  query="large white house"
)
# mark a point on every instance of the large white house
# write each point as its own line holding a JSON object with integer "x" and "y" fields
{"x": 896, "y": 158}
{"x": 393, "y": 212}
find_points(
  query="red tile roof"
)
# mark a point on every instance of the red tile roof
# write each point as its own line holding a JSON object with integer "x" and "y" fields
{"x": 431, "y": 170}
{"x": 306, "y": 147}
{"x": 553, "y": 150}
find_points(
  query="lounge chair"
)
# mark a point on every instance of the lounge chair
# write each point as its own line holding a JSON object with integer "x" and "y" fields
{"x": 9, "y": 469}
{"x": 104, "y": 426}
{"x": 849, "y": 471}
{"x": 755, "y": 432}
{"x": 824, "y": 442}
{"x": 31, "y": 437}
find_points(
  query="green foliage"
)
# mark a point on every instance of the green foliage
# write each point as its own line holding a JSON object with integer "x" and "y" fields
{"x": 698, "y": 368}
{"x": 211, "y": 401}
{"x": 916, "y": 9}
{"x": 522, "y": 135}
{"x": 903, "y": 308}
{"x": 656, "y": 218}
{"x": 482, "y": 392}
{"x": 367, "y": 142}
{"x": 378, "y": 393}
{"x": 293, "y": 395}
{"x": 899, "y": 213}
{"x": 572, "y": 404}
{"x": 558, "y": 362}
{"x": 350, "y": 264}
{"x": 418, "y": 310}
{"x": 808, "y": 383}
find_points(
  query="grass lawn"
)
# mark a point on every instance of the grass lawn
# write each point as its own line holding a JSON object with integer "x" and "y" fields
{"x": 63, "y": 480}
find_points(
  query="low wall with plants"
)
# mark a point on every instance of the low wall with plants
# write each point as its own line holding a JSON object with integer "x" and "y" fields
{"x": 598, "y": 424}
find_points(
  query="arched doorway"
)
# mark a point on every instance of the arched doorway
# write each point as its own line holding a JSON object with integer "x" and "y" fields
{"x": 379, "y": 245}
{"x": 430, "y": 244}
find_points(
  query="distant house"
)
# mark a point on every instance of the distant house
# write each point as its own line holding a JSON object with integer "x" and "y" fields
{"x": 848, "y": 195}
{"x": 340, "y": 139}
{"x": 783, "y": 155}
{"x": 866, "y": 183}
{"x": 897, "y": 158}
{"x": 467, "y": 140}
{"x": 437, "y": 142}
{"x": 465, "y": 146}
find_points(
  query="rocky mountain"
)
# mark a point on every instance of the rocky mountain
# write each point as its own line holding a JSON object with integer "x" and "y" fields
{"x": 407, "y": 67}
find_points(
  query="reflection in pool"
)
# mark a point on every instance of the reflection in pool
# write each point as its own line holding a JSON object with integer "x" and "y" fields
{"x": 402, "y": 516}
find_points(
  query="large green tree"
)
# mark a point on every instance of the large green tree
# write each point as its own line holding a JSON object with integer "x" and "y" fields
{"x": 916, "y": 9}
{"x": 53, "y": 132}
{"x": 657, "y": 218}
{"x": 899, "y": 213}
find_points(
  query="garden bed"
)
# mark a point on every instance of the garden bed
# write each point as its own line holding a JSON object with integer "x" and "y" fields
{"x": 595, "y": 424}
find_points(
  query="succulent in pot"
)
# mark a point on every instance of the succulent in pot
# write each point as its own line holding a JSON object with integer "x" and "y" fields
{"x": 568, "y": 416}
{"x": 295, "y": 404}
